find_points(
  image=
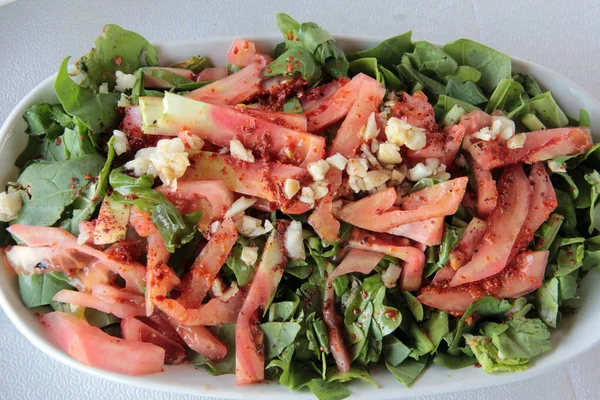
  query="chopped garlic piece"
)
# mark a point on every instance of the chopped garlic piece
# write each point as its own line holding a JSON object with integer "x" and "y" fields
{"x": 103, "y": 88}
{"x": 252, "y": 227}
{"x": 239, "y": 206}
{"x": 124, "y": 81}
{"x": 308, "y": 195}
{"x": 214, "y": 226}
{"x": 191, "y": 141}
{"x": 502, "y": 127}
{"x": 366, "y": 153}
{"x": 517, "y": 141}
{"x": 484, "y": 134}
{"x": 249, "y": 255}
{"x": 10, "y": 205}
{"x": 401, "y": 133}
{"x": 320, "y": 191}
{"x": 238, "y": 150}
{"x": 120, "y": 144}
{"x": 337, "y": 161}
{"x": 291, "y": 187}
{"x": 318, "y": 169}
{"x": 294, "y": 245}
{"x": 391, "y": 275}
{"x": 418, "y": 172}
{"x": 389, "y": 153}
{"x": 356, "y": 183}
{"x": 398, "y": 175}
{"x": 374, "y": 146}
{"x": 370, "y": 131}
{"x": 357, "y": 167}
{"x": 123, "y": 101}
{"x": 374, "y": 179}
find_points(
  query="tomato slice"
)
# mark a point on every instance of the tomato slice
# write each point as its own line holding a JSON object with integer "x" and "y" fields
{"x": 444, "y": 274}
{"x": 474, "y": 121}
{"x": 539, "y": 146}
{"x": 521, "y": 277}
{"x": 198, "y": 280}
{"x": 361, "y": 261}
{"x": 322, "y": 219}
{"x": 414, "y": 259}
{"x": 121, "y": 310}
{"x": 297, "y": 122}
{"x": 199, "y": 339}
{"x": 487, "y": 193}
{"x": 141, "y": 222}
{"x": 235, "y": 88}
{"x": 337, "y": 106}
{"x": 348, "y": 139}
{"x": 326, "y": 92}
{"x": 260, "y": 178}
{"x": 441, "y": 145}
{"x": 429, "y": 231}
{"x": 466, "y": 245}
{"x": 541, "y": 204}
{"x": 211, "y": 74}
{"x": 415, "y": 110}
{"x": 504, "y": 224}
{"x": 41, "y": 236}
{"x": 93, "y": 347}
{"x": 242, "y": 52}
{"x": 135, "y": 330}
{"x": 250, "y": 362}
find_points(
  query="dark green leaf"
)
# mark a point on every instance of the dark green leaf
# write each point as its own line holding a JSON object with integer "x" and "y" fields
{"x": 38, "y": 290}
{"x": 467, "y": 91}
{"x": 296, "y": 60}
{"x": 409, "y": 370}
{"x": 389, "y": 52}
{"x": 194, "y": 63}
{"x": 226, "y": 335}
{"x": 453, "y": 362}
{"x": 394, "y": 351}
{"x": 328, "y": 391}
{"x": 278, "y": 336}
{"x": 431, "y": 60}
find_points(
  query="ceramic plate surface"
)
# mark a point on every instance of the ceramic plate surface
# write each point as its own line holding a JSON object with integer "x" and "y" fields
{"x": 577, "y": 334}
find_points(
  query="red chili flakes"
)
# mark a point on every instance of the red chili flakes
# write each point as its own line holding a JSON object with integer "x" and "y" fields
{"x": 117, "y": 60}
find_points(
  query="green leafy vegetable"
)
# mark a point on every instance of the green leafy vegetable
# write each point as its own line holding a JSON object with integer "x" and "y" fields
{"x": 296, "y": 60}
{"x": 389, "y": 52}
{"x": 409, "y": 370}
{"x": 226, "y": 335}
{"x": 195, "y": 64}
{"x": 49, "y": 120}
{"x": 278, "y": 336}
{"x": 430, "y": 59}
{"x": 39, "y": 289}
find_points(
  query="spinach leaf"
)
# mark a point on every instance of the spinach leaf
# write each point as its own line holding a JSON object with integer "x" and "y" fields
{"x": 195, "y": 64}
{"x": 368, "y": 66}
{"x": 49, "y": 120}
{"x": 116, "y": 49}
{"x": 412, "y": 77}
{"x": 493, "y": 65}
{"x": 243, "y": 273}
{"x": 294, "y": 374}
{"x": 545, "y": 108}
{"x": 530, "y": 85}
{"x": 39, "y": 289}
{"x": 174, "y": 228}
{"x": 96, "y": 110}
{"x": 570, "y": 258}
{"x": 324, "y": 49}
{"x": 453, "y": 362}
{"x": 328, "y": 391}
{"x": 506, "y": 96}
{"x": 446, "y": 103}
{"x": 174, "y": 81}
{"x": 414, "y": 305}
{"x": 431, "y": 60}
{"x": 488, "y": 357}
{"x": 465, "y": 73}
{"x": 547, "y": 297}
{"x": 409, "y": 370}
{"x": 98, "y": 318}
{"x": 389, "y": 52}
{"x": 436, "y": 327}
{"x": 467, "y": 91}
{"x": 52, "y": 186}
{"x": 394, "y": 351}
{"x": 296, "y": 60}
{"x": 355, "y": 372}
{"x": 278, "y": 336}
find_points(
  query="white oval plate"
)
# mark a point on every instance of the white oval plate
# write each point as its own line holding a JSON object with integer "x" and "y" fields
{"x": 576, "y": 335}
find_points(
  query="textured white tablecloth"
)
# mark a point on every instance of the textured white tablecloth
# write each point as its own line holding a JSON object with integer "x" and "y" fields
{"x": 36, "y": 35}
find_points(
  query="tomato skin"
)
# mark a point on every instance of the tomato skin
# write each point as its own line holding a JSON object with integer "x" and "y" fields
{"x": 141, "y": 222}
{"x": 211, "y": 74}
{"x": 429, "y": 231}
{"x": 327, "y": 91}
{"x": 93, "y": 347}
{"x": 441, "y": 145}
{"x": 242, "y": 52}
{"x": 504, "y": 224}
{"x": 463, "y": 251}
{"x": 416, "y": 111}
{"x": 487, "y": 194}
{"x": 348, "y": 139}
{"x": 135, "y": 330}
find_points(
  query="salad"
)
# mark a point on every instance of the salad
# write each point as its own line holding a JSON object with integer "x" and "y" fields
{"x": 302, "y": 215}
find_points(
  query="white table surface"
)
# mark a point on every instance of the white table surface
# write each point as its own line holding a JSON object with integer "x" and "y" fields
{"x": 36, "y": 35}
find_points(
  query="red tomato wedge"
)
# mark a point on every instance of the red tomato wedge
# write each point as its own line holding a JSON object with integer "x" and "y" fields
{"x": 348, "y": 139}
{"x": 211, "y": 74}
{"x": 474, "y": 121}
{"x": 337, "y": 106}
{"x": 487, "y": 193}
{"x": 444, "y": 274}
{"x": 235, "y": 88}
{"x": 322, "y": 219}
{"x": 135, "y": 330}
{"x": 242, "y": 52}
{"x": 260, "y": 179}
{"x": 415, "y": 110}
{"x": 221, "y": 124}
{"x": 199, "y": 339}
{"x": 41, "y": 236}
{"x": 504, "y": 224}
{"x": 141, "y": 222}
{"x": 156, "y": 83}
{"x": 432, "y": 202}
{"x": 326, "y": 92}
{"x": 296, "y": 122}
{"x": 250, "y": 362}
{"x": 429, "y": 231}
{"x": 522, "y": 276}
{"x": 541, "y": 204}
{"x": 361, "y": 261}
{"x": 200, "y": 277}
{"x": 441, "y": 145}
{"x": 414, "y": 259}
{"x": 121, "y": 310}
{"x": 468, "y": 242}
{"x": 539, "y": 146}
{"x": 93, "y": 347}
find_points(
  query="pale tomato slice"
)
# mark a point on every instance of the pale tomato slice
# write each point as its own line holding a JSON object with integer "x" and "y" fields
{"x": 121, "y": 310}
{"x": 541, "y": 204}
{"x": 429, "y": 231}
{"x": 297, "y": 122}
{"x": 250, "y": 362}
{"x": 260, "y": 178}
{"x": 441, "y": 145}
{"x": 135, "y": 330}
{"x": 348, "y": 139}
{"x": 141, "y": 222}
{"x": 235, "y": 88}
{"x": 414, "y": 259}
{"x": 487, "y": 193}
{"x": 504, "y": 224}
{"x": 242, "y": 52}
{"x": 468, "y": 242}
{"x": 211, "y": 74}
{"x": 415, "y": 110}
{"x": 326, "y": 91}
{"x": 93, "y": 347}
{"x": 444, "y": 274}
